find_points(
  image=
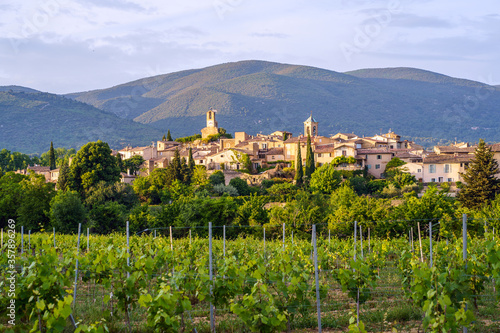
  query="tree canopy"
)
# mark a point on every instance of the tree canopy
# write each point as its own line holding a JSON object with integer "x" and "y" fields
{"x": 93, "y": 163}
{"x": 481, "y": 185}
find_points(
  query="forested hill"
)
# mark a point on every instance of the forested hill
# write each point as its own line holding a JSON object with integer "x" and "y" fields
{"x": 256, "y": 97}
{"x": 259, "y": 96}
{"x": 29, "y": 121}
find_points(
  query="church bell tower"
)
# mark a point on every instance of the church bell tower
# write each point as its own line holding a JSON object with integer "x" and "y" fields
{"x": 311, "y": 126}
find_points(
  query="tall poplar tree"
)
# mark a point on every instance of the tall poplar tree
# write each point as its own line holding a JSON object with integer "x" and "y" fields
{"x": 169, "y": 137}
{"x": 52, "y": 157}
{"x": 309, "y": 159}
{"x": 299, "y": 173}
{"x": 481, "y": 185}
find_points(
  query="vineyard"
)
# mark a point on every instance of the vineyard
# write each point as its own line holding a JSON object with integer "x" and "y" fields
{"x": 174, "y": 280}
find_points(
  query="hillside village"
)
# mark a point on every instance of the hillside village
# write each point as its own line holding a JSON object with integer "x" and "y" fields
{"x": 442, "y": 164}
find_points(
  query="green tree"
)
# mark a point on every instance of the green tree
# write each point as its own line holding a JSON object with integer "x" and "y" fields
{"x": 299, "y": 172}
{"x": 107, "y": 217}
{"x": 481, "y": 185}
{"x": 175, "y": 168}
{"x": 200, "y": 177}
{"x": 140, "y": 218}
{"x": 217, "y": 178}
{"x": 104, "y": 192}
{"x": 152, "y": 188}
{"x": 164, "y": 138}
{"x": 11, "y": 194}
{"x": 191, "y": 163}
{"x": 52, "y": 157}
{"x": 252, "y": 211}
{"x": 185, "y": 171}
{"x": 34, "y": 208}
{"x": 169, "y": 137}
{"x": 325, "y": 179}
{"x": 309, "y": 159}
{"x": 93, "y": 163}
{"x": 66, "y": 211}
{"x": 63, "y": 179}
{"x": 119, "y": 162}
{"x": 133, "y": 164}
{"x": 240, "y": 185}
{"x": 299, "y": 214}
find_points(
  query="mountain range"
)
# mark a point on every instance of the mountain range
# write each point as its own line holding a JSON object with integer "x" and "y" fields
{"x": 262, "y": 97}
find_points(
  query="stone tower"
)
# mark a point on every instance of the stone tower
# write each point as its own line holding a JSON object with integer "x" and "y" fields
{"x": 311, "y": 126}
{"x": 212, "y": 127}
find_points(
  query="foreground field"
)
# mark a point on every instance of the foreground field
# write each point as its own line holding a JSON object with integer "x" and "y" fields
{"x": 249, "y": 284}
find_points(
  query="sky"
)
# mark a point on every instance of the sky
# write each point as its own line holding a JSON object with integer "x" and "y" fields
{"x": 63, "y": 46}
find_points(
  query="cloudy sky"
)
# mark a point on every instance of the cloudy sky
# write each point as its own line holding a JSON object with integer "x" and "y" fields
{"x": 65, "y": 46}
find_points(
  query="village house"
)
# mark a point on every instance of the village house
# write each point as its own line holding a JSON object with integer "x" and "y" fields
{"x": 145, "y": 152}
{"x": 439, "y": 168}
{"x": 375, "y": 160}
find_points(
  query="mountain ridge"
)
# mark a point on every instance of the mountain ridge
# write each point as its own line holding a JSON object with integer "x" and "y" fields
{"x": 262, "y": 97}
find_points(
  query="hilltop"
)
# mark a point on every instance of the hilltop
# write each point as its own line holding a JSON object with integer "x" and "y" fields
{"x": 30, "y": 120}
{"x": 256, "y": 97}
{"x": 259, "y": 96}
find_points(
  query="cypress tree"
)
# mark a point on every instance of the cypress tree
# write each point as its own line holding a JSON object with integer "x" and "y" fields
{"x": 177, "y": 166}
{"x": 191, "y": 163}
{"x": 169, "y": 137}
{"x": 119, "y": 162}
{"x": 62, "y": 180}
{"x": 309, "y": 159}
{"x": 186, "y": 173}
{"x": 52, "y": 157}
{"x": 481, "y": 185}
{"x": 299, "y": 173}
{"x": 164, "y": 138}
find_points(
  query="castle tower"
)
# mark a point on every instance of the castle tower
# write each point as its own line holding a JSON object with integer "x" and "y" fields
{"x": 212, "y": 126}
{"x": 311, "y": 126}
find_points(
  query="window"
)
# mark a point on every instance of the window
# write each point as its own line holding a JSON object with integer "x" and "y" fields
{"x": 450, "y": 180}
{"x": 273, "y": 157}
{"x": 440, "y": 179}
{"x": 433, "y": 180}
{"x": 330, "y": 155}
{"x": 419, "y": 170}
{"x": 377, "y": 166}
{"x": 201, "y": 161}
{"x": 358, "y": 145}
{"x": 369, "y": 166}
{"x": 264, "y": 146}
{"x": 379, "y": 157}
{"x": 210, "y": 115}
{"x": 344, "y": 153}
{"x": 447, "y": 168}
{"x": 432, "y": 168}
{"x": 222, "y": 156}
{"x": 319, "y": 154}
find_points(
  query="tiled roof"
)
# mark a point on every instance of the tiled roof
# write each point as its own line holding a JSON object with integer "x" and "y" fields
{"x": 453, "y": 149}
{"x": 310, "y": 119}
{"x": 274, "y": 151}
{"x": 374, "y": 151}
{"x": 447, "y": 158}
{"x": 495, "y": 147}
{"x": 39, "y": 168}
